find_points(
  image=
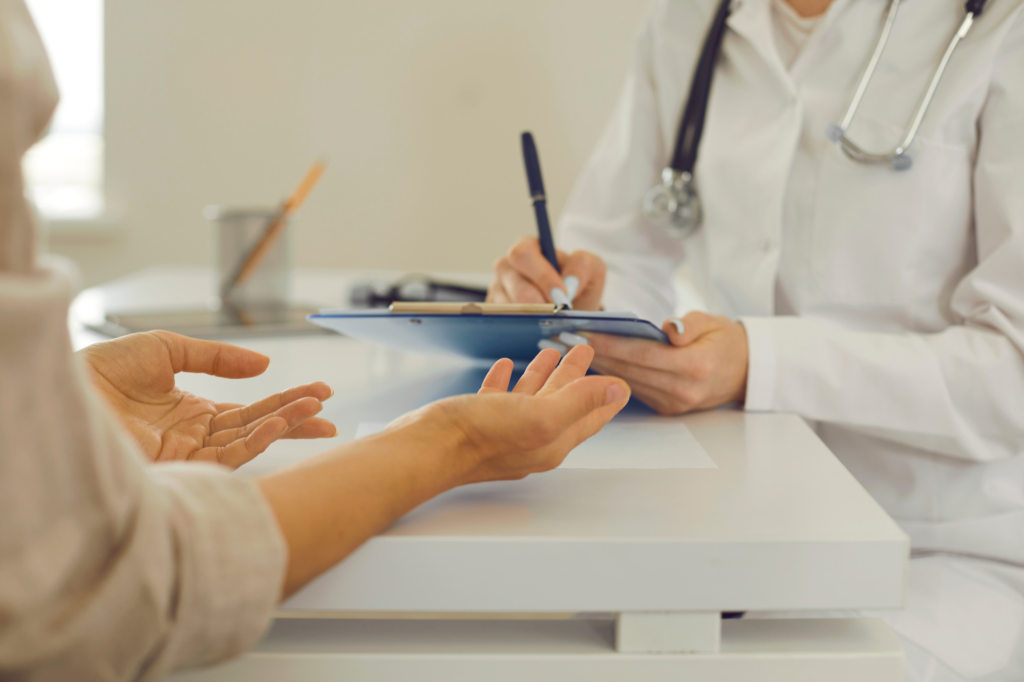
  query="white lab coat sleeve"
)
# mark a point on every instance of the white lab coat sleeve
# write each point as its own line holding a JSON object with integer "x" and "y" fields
{"x": 959, "y": 392}
{"x": 604, "y": 215}
{"x": 112, "y": 569}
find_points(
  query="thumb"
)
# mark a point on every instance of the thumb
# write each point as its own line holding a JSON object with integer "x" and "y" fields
{"x": 683, "y": 332}
{"x": 212, "y": 357}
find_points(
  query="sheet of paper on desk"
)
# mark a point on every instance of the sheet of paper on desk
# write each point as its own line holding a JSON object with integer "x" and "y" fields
{"x": 626, "y": 443}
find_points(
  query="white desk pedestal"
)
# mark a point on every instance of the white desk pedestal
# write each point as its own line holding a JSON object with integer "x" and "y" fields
{"x": 322, "y": 650}
{"x": 668, "y": 633}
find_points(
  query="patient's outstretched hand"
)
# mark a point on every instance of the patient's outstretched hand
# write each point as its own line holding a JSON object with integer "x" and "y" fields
{"x": 501, "y": 435}
{"x": 135, "y": 374}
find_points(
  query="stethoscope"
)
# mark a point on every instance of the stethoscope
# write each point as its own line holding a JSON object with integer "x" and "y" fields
{"x": 676, "y": 204}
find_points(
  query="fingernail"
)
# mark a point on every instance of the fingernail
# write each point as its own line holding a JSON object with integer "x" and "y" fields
{"x": 570, "y": 339}
{"x": 559, "y": 298}
{"x": 616, "y": 393}
{"x": 544, "y": 344}
{"x": 572, "y": 285}
{"x": 335, "y": 435}
{"x": 678, "y": 324}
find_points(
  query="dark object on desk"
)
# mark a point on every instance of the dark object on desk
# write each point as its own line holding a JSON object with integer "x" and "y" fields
{"x": 228, "y": 322}
{"x": 413, "y": 289}
{"x": 540, "y": 205}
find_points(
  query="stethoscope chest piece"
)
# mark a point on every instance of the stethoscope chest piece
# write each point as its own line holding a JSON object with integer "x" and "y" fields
{"x": 674, "y": 204}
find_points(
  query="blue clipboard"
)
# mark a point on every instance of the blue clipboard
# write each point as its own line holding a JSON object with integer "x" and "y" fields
{"x": 487, "y": 336}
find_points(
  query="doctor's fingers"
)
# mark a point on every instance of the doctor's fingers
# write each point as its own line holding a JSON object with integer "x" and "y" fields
{"x": 663, "y": 403}
{"x": 515, "y": 287}
{"x": 526, "y": 259}
{"x": 496, "y": 292}
{"x": 671, "y": 393}
{"x": 590, "y": 271}
{"x": 683, "y": 332}
{"x": 657, "y": 398}
{"x": 232, "y": 416}
{"x": 640, "y": 352}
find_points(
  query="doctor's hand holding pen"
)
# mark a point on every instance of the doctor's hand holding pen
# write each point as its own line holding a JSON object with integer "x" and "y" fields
{"x": 704, "y": 367}
{"x": 523, "y": 275}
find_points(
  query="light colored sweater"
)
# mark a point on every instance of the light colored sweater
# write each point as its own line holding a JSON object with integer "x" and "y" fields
{"x": 110, "y": 568}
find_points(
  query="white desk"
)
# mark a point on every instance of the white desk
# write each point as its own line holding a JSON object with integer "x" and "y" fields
{"x": 504, "y": 580}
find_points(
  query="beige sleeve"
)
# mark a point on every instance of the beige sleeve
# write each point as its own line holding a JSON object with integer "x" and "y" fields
{"x": 111, "y": 569}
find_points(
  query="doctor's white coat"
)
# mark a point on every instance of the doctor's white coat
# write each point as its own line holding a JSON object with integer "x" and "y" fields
{"x": 887, "y": 307}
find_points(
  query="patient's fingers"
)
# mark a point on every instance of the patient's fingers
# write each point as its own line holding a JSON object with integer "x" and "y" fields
{"x": 573, "y": 366}
{"x": 236, "y": 417}
{"x": 294, "y": 414}
{"x": 311, "y": 428}
{"x": 538, "y": 372}
{"x": 585, "y": 405}
{"x": 497, "y": 377}
{"x": 240, "y": 451}
{"x": 314, "y": 427}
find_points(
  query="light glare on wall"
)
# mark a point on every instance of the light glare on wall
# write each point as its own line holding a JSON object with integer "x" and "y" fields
{"x": 64, "y": 172}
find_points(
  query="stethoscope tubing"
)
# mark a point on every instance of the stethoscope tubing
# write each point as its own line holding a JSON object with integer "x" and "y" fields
{"x": 898, "y": 158}
{"x": 691, "y": 129}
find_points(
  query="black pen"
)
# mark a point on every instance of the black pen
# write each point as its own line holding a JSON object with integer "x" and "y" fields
{"x": 540, "y": 212}
{"x": 540, "y": 204}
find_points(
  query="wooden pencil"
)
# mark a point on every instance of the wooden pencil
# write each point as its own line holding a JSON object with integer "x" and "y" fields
{"x": 276, "y": 227}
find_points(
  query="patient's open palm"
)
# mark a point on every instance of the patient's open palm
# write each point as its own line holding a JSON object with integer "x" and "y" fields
{"x": 135, "y": 374}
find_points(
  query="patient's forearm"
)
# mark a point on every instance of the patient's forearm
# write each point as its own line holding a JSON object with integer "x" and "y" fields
{"x": 330, "y": 505}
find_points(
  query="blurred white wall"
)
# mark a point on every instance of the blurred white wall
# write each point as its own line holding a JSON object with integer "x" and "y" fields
{"x": 417, "y": 104}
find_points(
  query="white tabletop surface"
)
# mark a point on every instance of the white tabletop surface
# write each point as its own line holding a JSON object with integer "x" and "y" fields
{"x": 779, "y": 524}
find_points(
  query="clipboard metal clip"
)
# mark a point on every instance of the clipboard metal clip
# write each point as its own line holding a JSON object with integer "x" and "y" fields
{"x": 476, "y": 308}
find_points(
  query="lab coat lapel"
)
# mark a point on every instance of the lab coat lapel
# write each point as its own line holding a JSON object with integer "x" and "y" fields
{"x": 751, "y": 19}
{"x": 753, "y": 127}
